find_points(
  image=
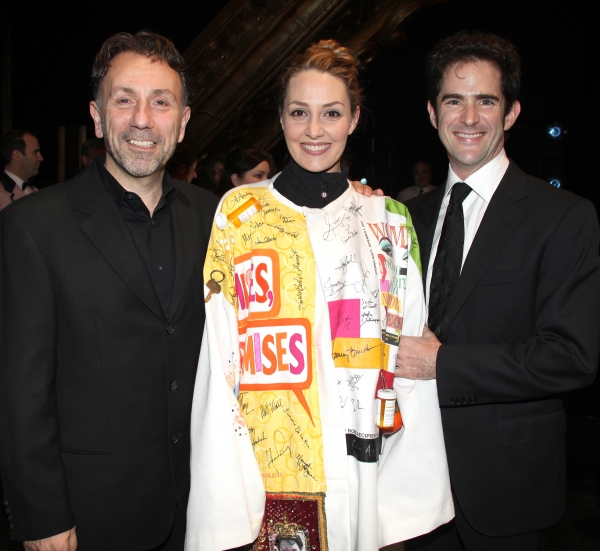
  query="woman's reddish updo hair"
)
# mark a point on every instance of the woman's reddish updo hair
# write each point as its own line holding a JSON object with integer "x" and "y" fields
{"x": 326, "y": 56}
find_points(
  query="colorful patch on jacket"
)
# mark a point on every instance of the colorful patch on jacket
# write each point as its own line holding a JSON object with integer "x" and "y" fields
{"x": 293, "y": 522}
{"x": 270, "y": 282}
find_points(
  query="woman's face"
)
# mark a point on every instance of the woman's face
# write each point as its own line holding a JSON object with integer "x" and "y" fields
{"x": 288, "y": 545}
{"x": 185, "y": 173}
{"x": 191, "y": 174}
{"x": 317, "y": 120}
{"x": 217, "y": 172}
{"x": 259, "y": 173}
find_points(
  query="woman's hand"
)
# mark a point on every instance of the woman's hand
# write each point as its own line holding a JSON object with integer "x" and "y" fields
{"x": 365, "y": 190}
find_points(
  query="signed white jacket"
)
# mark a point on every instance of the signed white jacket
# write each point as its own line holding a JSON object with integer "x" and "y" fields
{"x": 304, "y": 314}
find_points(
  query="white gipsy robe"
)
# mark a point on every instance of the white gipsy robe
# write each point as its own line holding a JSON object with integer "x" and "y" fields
{"x": 312, "y": 304}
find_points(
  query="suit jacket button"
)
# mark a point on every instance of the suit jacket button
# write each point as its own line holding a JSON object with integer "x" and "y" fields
{"x": 174, "y": 439}
{"x": 11, "y": 526}
{"x": 171, "y": 329}
{"x": 173, "y": 385}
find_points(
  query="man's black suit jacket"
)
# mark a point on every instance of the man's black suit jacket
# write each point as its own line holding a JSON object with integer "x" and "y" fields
{"x": 524, "y": 327}
{"x": 96, "y": 383}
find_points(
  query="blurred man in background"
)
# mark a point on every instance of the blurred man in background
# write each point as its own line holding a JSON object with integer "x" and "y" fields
{"x": 21, "y": 155}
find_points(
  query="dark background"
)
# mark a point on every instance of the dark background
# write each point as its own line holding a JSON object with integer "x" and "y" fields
{"x": 557, "y": 46}
{"x": 53, "y": 48}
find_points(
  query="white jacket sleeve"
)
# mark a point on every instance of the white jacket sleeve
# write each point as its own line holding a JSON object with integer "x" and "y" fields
{"x": 227, "y": 496}
{"x": 414, "y": 485}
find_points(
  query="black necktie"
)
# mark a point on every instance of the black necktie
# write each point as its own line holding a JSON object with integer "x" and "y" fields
{"x": 25, "y": 186}
{"x": 448, "y": 261}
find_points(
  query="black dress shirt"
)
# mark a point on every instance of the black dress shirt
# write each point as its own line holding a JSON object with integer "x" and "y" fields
{"x": 152, "y": 233}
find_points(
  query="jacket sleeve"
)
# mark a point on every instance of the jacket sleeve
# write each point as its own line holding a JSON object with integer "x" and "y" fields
{"x": 33, "y": 474}
{"x": 562, "y": 352}
{"x": 413, "y": 481}
{"x": 227, "y": 495}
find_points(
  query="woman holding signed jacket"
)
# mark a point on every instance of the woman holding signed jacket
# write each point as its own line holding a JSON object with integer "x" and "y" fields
{"x": 309, "y": 286}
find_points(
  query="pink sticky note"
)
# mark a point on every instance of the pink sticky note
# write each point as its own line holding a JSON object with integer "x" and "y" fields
{"x": 344, "y": 316}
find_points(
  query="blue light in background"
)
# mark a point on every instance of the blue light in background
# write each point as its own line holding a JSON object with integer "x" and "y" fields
{"x": 554, "y": 131}
{"x": 555, "y": 182}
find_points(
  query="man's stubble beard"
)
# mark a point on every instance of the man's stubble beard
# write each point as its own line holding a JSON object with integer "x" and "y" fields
{"x": 138, "y": 165}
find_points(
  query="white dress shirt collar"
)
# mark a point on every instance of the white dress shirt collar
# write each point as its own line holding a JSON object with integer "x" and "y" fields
{"x": 17, "y": 180}
{"x": 484, "y": 181}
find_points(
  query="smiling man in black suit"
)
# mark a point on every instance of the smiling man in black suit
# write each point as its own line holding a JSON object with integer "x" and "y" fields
{"x": 102, "y": 302}
{"x": 513, "y": 289}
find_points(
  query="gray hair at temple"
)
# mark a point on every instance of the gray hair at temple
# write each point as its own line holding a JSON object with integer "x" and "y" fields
{"x": 145, "y": 43}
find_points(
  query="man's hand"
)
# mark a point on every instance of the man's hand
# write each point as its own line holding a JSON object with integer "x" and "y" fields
{"x": 417, "y": 356}
{"x": 365, "y": 190}
{"x": 67, "y": 541}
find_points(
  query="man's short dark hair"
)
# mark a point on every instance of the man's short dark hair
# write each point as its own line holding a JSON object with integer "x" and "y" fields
{"x": 466, "y": 47}
{"x": 414, "y": 166}
{"x": 14, "y": 141}
{"x": 92, "y": 143}
{"x": 145, "y": 43}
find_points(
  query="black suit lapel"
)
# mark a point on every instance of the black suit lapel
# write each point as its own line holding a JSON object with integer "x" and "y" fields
{"x": 186, "y": 228}
{"x": 424, "y": 210}
{"x": 107, "y": 231}
{"x": 500, "y": 219}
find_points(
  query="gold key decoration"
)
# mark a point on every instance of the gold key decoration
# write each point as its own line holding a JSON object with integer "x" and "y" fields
{"x": 213, "y": 283}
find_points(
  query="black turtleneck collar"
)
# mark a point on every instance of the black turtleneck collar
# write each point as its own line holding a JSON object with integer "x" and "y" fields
{"x": 306, "y": 189}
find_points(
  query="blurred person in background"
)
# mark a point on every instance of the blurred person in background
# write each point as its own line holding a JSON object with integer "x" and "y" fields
{"x": 421, "y": 173}
{"x": 209, "y": 177}
{"x": 182, "y": 165}
{"x": 246, "y": 166}
{"x": 90, "y": 150}
{"x": 215, "y": 170}
{"x": 21, "y": 156}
